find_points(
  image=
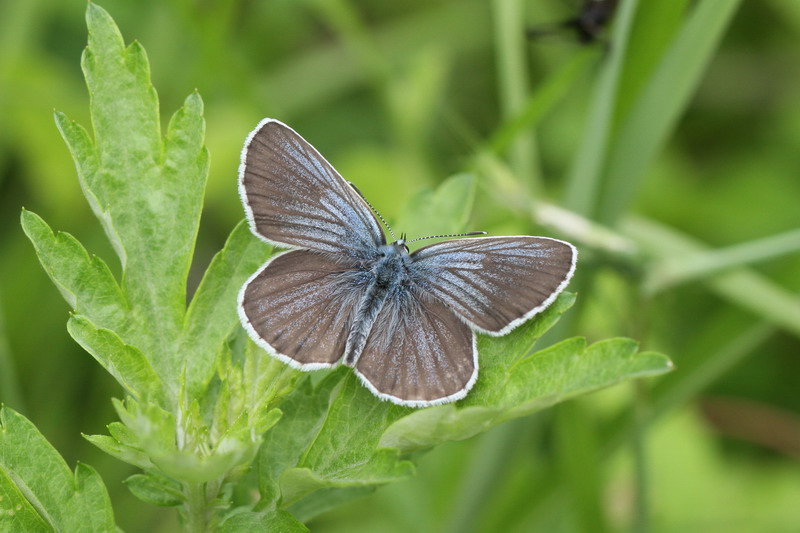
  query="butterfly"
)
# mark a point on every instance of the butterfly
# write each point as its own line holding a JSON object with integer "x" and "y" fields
{"x": 406, "y": 322}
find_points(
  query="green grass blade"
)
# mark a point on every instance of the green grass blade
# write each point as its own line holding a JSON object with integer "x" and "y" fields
{"x": 583, "y": 182}
{"x": 677, "y": 270}
{"x": 653, "y": 31}
{"x": 541, "y": 100}
{"x": 654, "y": 114}
{"x": 740, "y": 286}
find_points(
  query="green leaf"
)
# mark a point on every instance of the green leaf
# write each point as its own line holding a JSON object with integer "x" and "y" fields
{"x": 304, "y": 410}
{"x": 510, "y": 386}
{"x": 445, "y": 210}
{"x": 125, "y": 362}
{"x": 212, "y": 314}
{"x": 125, "y": 453}
{"x": 155, "y": 489}
{"x": 247, "y": 522}
{"x": 147, "y": 193}
{"x": 85, "y": 281}
{"x": 149, "y": 436}
{"x": 16, "y": 512}
{"x": 325, "y": 499}
{"x": 82, "y": 150}
{"x": 42, "y": 493}
{"x": 327, "y": 439}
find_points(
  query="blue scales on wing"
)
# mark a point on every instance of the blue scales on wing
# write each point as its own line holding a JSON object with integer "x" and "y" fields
{"x": 300, "y": 306}
{"x": 293, "y": 197}
{"x": 495, "y": 283}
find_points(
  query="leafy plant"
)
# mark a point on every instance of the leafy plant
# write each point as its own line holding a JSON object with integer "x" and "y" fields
{"x": 205, "y": 413}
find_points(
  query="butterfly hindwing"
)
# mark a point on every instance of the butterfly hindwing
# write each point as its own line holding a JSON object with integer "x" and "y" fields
{"x": 418, "y": 352}
{"x": 495, "y": 283}
{"x": 299, "y": 307}
{"x": 293, "y": 196}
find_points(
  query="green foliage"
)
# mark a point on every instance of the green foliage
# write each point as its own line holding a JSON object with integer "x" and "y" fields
{"x": 200, "y": 401}
{"x": 38, "y": 492}
{"x": 681, "y": 116}
{"x": 444, "y": 210}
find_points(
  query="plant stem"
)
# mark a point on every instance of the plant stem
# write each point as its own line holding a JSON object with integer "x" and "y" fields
{"x": 195, "y": 508}
{"x": 641, "y": 510}
{"x": 9, "y": 381}
{"x": 674, "y": 271}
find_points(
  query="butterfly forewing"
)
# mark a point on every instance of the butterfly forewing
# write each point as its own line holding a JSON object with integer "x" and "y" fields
{"x": 300, "y": 306}
{"x": 495, "y": 283}
{"x": 294, "y": 197}
{"x": 418, "y": 352}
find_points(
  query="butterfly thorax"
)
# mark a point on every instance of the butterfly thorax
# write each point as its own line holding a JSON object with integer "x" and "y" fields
{"x": 391, "y": 267}
{"x": 388, "y": 273}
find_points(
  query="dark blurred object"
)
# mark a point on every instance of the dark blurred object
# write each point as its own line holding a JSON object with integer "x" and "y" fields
{"x": 589, "y": 24}
{"x": 768, "y": 426}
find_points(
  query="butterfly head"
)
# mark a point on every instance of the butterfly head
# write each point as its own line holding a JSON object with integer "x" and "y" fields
{"x": 400, "y": 244}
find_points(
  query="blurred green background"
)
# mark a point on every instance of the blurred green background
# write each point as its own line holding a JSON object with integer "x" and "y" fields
{"x": 400, "y": 94}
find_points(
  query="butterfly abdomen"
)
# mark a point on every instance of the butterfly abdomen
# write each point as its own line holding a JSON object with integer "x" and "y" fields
{"x": 389, "y": 274}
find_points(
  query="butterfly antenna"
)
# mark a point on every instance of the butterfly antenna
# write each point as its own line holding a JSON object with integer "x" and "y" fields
{"x": 373, "y": 209}
{"x": 451, "y": 235}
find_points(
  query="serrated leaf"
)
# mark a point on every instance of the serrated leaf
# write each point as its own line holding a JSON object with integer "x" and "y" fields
{"x": 32, "y": 469}
{"x": 327, "y": 439}
{"x": 325, "y": 499}
{"x": 382, "y": 466}
{"x": 147, "y": 193}
{"x": 125, "y": 362}
{"x": 503, "y": 392}
{"x": 85, "y": 281}
{"x": 303, "y": 413}
{"x": 445, "y": 210}
{"x": 115, "y": 448}
{"x": 212, "y": 314}
{"x": 83, "y": 152}
{"x": 344, "y": 446}
{"x": 268, "y": 521}
{"x": 155, "y": 489}
{"x": 16, "y": 512}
